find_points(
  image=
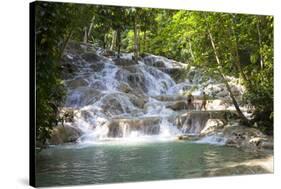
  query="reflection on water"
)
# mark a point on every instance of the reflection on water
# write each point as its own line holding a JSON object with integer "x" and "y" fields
{"x": 107, "y": 163}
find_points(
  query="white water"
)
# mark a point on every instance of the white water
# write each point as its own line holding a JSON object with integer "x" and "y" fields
{"x": 103, "y": 100}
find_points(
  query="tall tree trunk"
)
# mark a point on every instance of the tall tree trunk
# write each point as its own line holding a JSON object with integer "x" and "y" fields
{"x": 85, "y": 38}
{"x": 144, "y": 41}
{"x": 190, "y": 49}
{"x": 225, "y": 80}
{"x": 113, "y": 42}
{"x": 118, "y": 41}
{"x": 136, "y": 39}
{"x": 90, "y": 27}
{"x": 104, "y": 41}
{"x": 237, "y": 62}
{"x": 65, "y": 42}
{"x": 260, "y": 45}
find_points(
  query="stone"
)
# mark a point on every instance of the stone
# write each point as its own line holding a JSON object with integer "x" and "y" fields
{"x": 188, "y": 137}
{"x": 97, "y": 66}
{"x": 212, "y": 125}
{"x": 108, "y": 53}
{"x": 91, "y": 57}
{"x": 98, "y": 85}
{"x": 222, "y": 94}
{"x": 246, "y": 138}
{"x": 64, "y": 134}
{"x": 82, "y": 96}
{"x": 124, "y": 127}
{"x": 177, "y": 105}
{"x": 124, "y": 62}
{"x": 75, "y": 83}
{"x": 124, "y": 87}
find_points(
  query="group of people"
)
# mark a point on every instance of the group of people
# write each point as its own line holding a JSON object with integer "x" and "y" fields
{"x": 190, "y": 102}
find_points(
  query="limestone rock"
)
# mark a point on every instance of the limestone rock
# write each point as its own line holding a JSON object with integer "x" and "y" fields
{"x": 212, "y": 125}
{"x": 64, "y": 134}
{"x": 247, "y": 138}
{"x": 177, "y": 105}
{"x": 72, "y": 84}
{"x": 124, "y": 62}
{"x": 97, "y": 66}
{"x": 82, "y": 96}
{"x": 123, "y": 127}
{"x": 91, "y": 57}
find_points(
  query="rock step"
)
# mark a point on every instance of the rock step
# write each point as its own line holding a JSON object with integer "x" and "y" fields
{"x": 121, "y": 127}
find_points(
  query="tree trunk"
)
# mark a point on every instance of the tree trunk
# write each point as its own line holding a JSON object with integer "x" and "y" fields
{"x": 190, "y": 49}
{"x": 65, "y": 42}
{"x": 260, "y": 45}
{"x": 118, "y": 41}
{"x": 224, "y": 79}
{"x": 236, "y": 55}
{"x": 90, "y": 27}
{"x": 85, "y": 38}
{"x": 113, "y": 42}
{"x": 144, "y": 41}
{"x": 136, "y": 40}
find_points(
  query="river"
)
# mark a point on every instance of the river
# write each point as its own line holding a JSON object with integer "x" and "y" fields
{"x": 111, "y": 162}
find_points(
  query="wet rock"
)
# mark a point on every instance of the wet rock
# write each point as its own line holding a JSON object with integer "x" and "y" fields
{"x": 64, "y": 134}
{"x": 267, "y": 144}
{"x": 188, "y": 137}
{"x": 68, "y": 68}
{"x": 247, "y": 138}
{"x": 177, "y": 105}
{"x": 170, "y": 97}
{"x": 108, "y": 53}
{"x": 124, "y": 87}
{"x": 67, "y": 114}
{"x": 119, "y": 103}
{"x": 213, "y": 126}
{"x": 91, "y": 57}
{"x": 72, "y": 84}
{"x": 124, "y": 62}
{"x": 98, "y": 85}
{"x": 192, "y": 122}
{"x": 97, "y": 67}
{"x": 78, "y": 47}
{"x": 124, "y": 127}
{"x": 222, "y": 94}
{"x": 138, "y": 101}
{"x": 82, "y": 96}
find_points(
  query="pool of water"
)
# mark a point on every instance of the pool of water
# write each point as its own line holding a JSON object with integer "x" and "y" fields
{"x": 111, "y": 162}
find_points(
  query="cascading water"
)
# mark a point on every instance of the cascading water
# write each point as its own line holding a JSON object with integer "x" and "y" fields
{"x": 132, "y": 101}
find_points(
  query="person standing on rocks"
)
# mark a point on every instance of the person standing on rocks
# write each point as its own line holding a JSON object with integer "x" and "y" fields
{"x": 190, "y": 99}
{"x": 204, "y": 101}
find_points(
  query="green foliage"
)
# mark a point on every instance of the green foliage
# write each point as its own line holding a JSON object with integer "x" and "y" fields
{"x": 49, "y": 88}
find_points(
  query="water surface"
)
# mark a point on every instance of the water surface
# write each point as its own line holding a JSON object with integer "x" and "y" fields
{"x": 111, "y": 162}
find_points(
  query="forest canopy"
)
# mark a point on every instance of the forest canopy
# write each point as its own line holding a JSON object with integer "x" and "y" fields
{"x": 222, "y": 44}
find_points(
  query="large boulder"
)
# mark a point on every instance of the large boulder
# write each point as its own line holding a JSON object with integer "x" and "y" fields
{"x": 213, "y": 126}
{"x": 64, "y": 134}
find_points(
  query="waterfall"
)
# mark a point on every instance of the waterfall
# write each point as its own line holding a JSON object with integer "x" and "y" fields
{"x": 131, "y": 100}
